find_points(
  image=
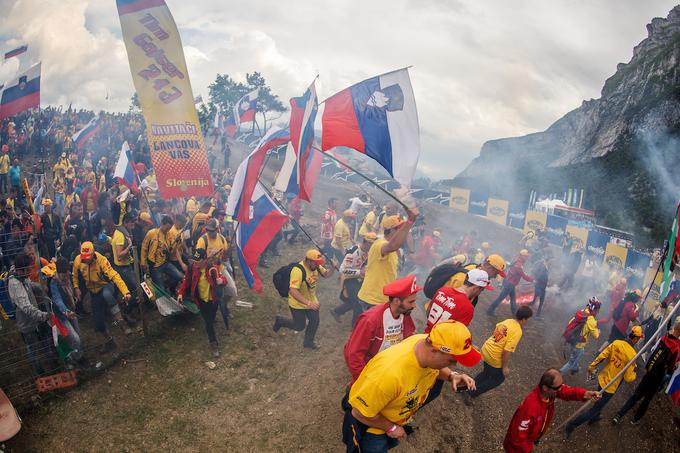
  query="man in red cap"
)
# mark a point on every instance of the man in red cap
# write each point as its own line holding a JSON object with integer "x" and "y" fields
{"x": 383, "y": 325}
{"x": 395, "y": 383}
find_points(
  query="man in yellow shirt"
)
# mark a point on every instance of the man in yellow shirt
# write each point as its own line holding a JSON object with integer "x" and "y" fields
{"x": 493, "y": 265}
{"x": 618, "y": 355}
{"x": 496, "y": 353}
{"x": 395, "y": 384}
{"x": 199, "y": 220}
{"x": 342, "y": 234}
{"x": 4, "y": 170}
{"x": 123, "y": 261}
{"x": 302, "y": 300}
{"x": 383, "y": 259}
{"x": 370, "y": 223}
{"x": 216, "y": 247}
{"x": 156, "y": 251}
{"x": 587, "y": 329}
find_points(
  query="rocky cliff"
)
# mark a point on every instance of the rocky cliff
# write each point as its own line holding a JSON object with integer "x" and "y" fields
{"x": 623, "y": 148}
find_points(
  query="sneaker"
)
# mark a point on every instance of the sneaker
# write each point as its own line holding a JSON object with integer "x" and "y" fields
{"x": 313, "y": 346}
{"x": 215, "y": 350}
{"x": 336, "y": 316}
{"x": 634, "y": 422}
{"x": 276, "y": 325}
{"x": 616, "y": 420}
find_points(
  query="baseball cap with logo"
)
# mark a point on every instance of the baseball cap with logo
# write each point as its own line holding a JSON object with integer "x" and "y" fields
{"x": 370, "y": 237}
{"x": 86, "y": 250}
{"x": 315, "y": 256}
{"x": 498, "y": 263}
{"x": 636, "y": 331}
{"x": 402, "y": 287}
{"x": 479, "y": 277}
{"x": 452, "y": 337}
{"x": 392, "y": 221}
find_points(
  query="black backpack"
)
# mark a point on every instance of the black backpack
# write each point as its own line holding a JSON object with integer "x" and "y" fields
{"x": 439, "y": 276}
{"x": 281, "y": 278}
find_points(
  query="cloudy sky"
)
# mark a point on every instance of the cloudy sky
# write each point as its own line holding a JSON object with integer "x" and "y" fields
{"x": 481, "y": 69}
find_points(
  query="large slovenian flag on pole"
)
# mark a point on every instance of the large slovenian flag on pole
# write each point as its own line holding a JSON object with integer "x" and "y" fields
{"x": 252, "y": 238}
{"x": 243, "y": 112}
{"x": 287, "y": 180}
{"x": 21, "y": 94}
{"x": 218, "y": 122}
{"x": 248, "y": 172}
{"x": 125, "y": 170}
{"x": 377, "y": 117}
{"x": 86, "y": 133}
{"x": 16, "y": 52}
{"x": 303, "y": 111}
{"x": 672, "y": 257}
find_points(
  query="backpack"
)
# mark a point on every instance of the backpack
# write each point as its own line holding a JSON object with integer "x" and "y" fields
{"x": 281, "y": 278}
{"x": 572, "y": 333}
{"x": 618, "y": 311}
{"x": 439, "y": 276}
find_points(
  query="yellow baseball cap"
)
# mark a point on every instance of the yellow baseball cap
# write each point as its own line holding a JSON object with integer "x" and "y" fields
{"x": 370, "y": 237}
{"x": 461, "y": 258}
{"x": 638, "y": 292}
{"x": 145, "y": 217}
{"x": 636, "y": 331}
{"x": 46, "y": 202}
{"x": 316, "y": 256}
{"x": 86, "y": 250}
{"x": 486, "y": 245}
{"x": 452, "y": 337}
{"x": 436, "y": 233}
{"x": 498, "y": 263}
{"x": 392, "y": 221}
{"x": 524, "y": 252}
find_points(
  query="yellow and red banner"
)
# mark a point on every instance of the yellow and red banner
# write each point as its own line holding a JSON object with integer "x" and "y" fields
{"x": 580, "y": 236}
{"x": 615, "y": 255}
{"x": 535, "y": 220}
{"x": 497, "y": 210}
{"x": 160, "y": 76}
{"x": 460, "y": 199}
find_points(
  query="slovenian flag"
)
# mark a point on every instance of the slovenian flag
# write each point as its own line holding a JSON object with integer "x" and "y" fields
{"x": 673, "y": 388}
{"x": 21, "y": 94}
{"x": 266, "y": 220}
{"x": 248, "y": 172}
{"x": 287, "y": 181}
{"x": 243, "y": 112}
{"x": 16, "y": 52}
{"x": 218, "y": 122}
{"x": 303, "y": 111}
{"x": 86, "y": 133}
{"x": 125, "y": 170}
{"x": 377, "y": 117}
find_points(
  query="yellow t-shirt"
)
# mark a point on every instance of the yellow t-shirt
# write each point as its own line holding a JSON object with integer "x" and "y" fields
{"x": 341, "y": 236}
{"x": 505, "y": 337}
{"x": 619, "y": 353}
{"x": 380, "y": 271}
{"x": 212, "y": 247}
{"x": 393, "y": 384}
{"x": 198, "y": 221}
{"x": 119, "y": 239}
{"x": 589, "y": 329}
{"x": 308, "y": 290}
{"x": 457, "y": 280}
{"x": 4, "y": 164}
{"x": 203, "y": 287}
{"x": 368, "y": 225}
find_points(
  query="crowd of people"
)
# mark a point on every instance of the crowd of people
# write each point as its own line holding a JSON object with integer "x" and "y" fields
{"x": 82, "y": 245}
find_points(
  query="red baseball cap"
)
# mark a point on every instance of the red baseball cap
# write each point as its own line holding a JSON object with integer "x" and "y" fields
{"x": 402, "y": 287}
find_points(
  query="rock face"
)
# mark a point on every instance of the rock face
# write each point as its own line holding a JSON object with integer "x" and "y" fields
{"x": 623, "y": 148}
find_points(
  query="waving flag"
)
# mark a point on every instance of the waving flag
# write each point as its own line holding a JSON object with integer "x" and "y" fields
{"x": 672, "y": 257}
{"x": 377, "y": 117}
{"x": 218, "y": 122}
{"x": 16, "y": 52}
{"x": 248, "y": 171}
{"x": 125, "y": 171}
{"x": 287, "y": 180}
{"x": 86, "y": 133}
{"x": 673, "y": 388}
{"x": 243, "y": 112}
{"x": 21, "y": 94}
{"x": 302, "y": 115}
{"x": 252, "y": 238}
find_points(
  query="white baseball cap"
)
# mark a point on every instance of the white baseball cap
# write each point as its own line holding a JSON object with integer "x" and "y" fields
{"x": 479, "y": 277}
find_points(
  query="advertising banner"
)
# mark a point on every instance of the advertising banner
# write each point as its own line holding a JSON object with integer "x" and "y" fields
{"x": 596, "y": 245}
{"x": 636, "y": 267}
{"x": 161, "y": 80}
{"x": 654, "y": 294}
{"x": 460, "y": 199}
{"x": 517, "y": 213}
{"x": 555, "y": 227}
{"x": 535, "y": 220}
{"x": 615, "y": 255}
{"x": 478, "y": 203}
{"x": 497, "y": 210}
{"x": 579, "y": 235}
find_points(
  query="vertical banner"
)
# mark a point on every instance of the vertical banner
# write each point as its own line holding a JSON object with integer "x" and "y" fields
{"x": 596, "y": 245}
{"x": 655, "y": 293}
{"x": 517, "y": 213}
{"x": 478, "y": 203}
{"x": 460, "y": 199}
{"x": 579, "y": 235}
{"x": 555, "y": 227}
{"x": 615, "y": 255}
{"x": 497, "y": 211}
{"x": 161, "y": 79}
{"x": 535, "y": 220}
{"x": 636, "y": 267}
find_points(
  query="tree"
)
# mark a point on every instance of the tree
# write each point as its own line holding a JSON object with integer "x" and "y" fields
{"x": 266, "y": 101}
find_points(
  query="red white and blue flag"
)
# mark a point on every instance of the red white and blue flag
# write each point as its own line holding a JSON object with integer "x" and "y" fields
{"x": 86, "y": 133}
{"x": 21, "y": 94}
{"x": 16, "y": 52}
{"x": 243, "y": 112}
{"x": 252, "y": 238}
{"x": 125, "y": 170}
{"x": 673, "y": 388}
{"x": 303, "y": 111}
{"x": 218, "y": 122}
{"x": 248, "y": 171}
{"x": 287, "y": 181}
{"x": 377, "y": 117}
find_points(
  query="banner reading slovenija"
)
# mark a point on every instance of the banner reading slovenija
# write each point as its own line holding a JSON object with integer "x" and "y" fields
{"x": 161, "y": 79}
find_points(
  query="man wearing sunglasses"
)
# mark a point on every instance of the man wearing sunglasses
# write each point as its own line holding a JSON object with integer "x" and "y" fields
{"x": 532, "y": 418}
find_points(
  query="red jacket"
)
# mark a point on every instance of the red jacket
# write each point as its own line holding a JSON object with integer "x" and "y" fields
{"x": 516, "y": 273}
{"x": 532, "y": 418}
{"x": 189, "y": 286}
{"x": 367, "y": 338}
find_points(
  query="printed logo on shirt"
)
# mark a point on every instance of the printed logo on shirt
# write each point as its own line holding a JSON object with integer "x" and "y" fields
{"x": 412, "y": 391}
{"x": 499, "y": 333}
{"x": 524, "y": 425}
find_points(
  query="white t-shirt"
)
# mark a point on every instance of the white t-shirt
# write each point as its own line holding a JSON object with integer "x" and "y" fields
{"x": 393, "y": 330}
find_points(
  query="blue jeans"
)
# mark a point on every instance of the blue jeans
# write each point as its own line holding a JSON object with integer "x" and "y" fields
{"x": 592, "y": 414}
{"x": 159, "y": 273}
{"x": 377, "y": 443}
{"x": 573, "y": 362}
{"x": 365, "y": 306}
{"x": 103, "y": 301}
{"x": 488, "y": 379}
{"x": 507, "y": 289}
{"x": 59, "y": 203}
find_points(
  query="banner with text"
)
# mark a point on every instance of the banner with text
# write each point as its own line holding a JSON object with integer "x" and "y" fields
{"x": 517, "y": 213}
{"x": 497, "y": 210}
{"x": 478, "y": 203}
{"x": 554, "y": 228}
{"x": 579, "y": 235}
{"x": 636, "y": 268}
{"x": 535, "y": 220}
{"x": 615, "y": 255}
{"x": 596, "y": 244}
{"x": 162, "y": 83}
{"x": 460, "y": 199}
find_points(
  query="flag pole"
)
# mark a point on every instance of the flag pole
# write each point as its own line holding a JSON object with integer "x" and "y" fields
{"x": 382, "y": 189}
